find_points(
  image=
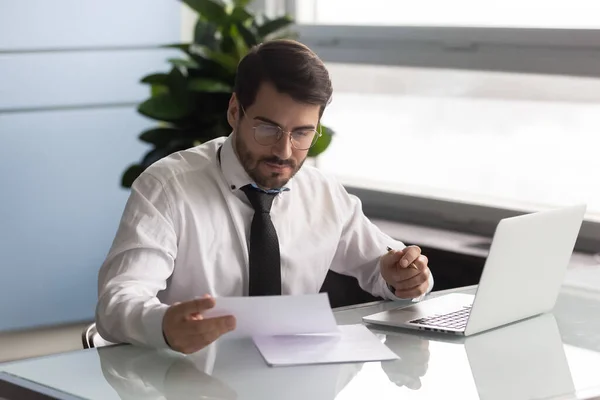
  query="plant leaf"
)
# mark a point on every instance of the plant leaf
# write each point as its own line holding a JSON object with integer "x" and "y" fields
{"x": 209, "y": 10}
{"x": 164, "y": 107}
{"x": 161, "y": 136}
{"x": 249, "y": 38}
{"x": 239, "y": 45}
{"x": 191, "y": 49}
{"x": 205, "y": 65}
{"x": 157, "y": 89}
{"x": 210, "y": 106}
{"x": 241, "y": 3}
{"x": 208, "y": 85}
{"x": 227, "y": 42}
{"x": 239, "y": 14}
{"x": 177, "y": 85}
{"x": 181, "y": 46}
{"x": 155, "y": 79}
{"x": 228, "y": 62}
{"x": 274, "y": 25}
{"x": 212, "y": 70}
{"x": 160, "y": 152}
{"x": 323, "y": 142}
{"x": 131, "y": 174}
{"x": 205, "y": 33}
{"x": 185, "y": 63}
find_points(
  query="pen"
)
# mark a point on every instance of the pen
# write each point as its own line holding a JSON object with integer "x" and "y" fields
{"x": 412, "y": 265}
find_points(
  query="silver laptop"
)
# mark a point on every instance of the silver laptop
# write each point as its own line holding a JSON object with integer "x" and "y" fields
{"x": 522, "y": 276}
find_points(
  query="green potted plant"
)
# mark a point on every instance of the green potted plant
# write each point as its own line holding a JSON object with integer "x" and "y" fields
{"x": 190, "y": 101}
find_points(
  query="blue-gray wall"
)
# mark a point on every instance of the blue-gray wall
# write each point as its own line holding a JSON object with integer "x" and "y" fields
{"x": 69, "y": 72}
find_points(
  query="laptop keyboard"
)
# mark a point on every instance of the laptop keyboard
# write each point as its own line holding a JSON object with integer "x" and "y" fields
{"x": 454, "y": 320}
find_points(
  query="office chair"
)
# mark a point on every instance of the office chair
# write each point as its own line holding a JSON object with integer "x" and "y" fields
{"x": 344, "y": 290}
{"x": 90, "y": 338}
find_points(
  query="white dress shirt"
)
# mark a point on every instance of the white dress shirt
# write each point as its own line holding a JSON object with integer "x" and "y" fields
{"x": 185, "y": 233}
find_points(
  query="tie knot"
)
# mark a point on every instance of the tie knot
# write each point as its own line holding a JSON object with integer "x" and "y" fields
{"x": 261, "y": 201}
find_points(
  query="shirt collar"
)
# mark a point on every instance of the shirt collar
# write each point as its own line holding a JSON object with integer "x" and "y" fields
{"x": 235, "y": 174}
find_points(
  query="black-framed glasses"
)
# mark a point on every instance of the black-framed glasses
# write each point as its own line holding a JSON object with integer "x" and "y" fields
{"x": 268, "y": 135}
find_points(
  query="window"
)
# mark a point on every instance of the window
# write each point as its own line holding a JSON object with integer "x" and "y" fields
{"x": 497, "y": 102}
{"x": 501, "y": 139}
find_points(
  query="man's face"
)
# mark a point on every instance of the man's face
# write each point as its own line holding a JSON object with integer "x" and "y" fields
{"x": 271, "y": 167}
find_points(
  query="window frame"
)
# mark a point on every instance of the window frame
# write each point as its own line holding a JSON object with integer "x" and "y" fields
{"x": 541, "y": 51}
{"x": 571, "y": 52}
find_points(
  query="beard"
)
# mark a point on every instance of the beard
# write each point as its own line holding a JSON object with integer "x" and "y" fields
{"x": 251, "y": 164}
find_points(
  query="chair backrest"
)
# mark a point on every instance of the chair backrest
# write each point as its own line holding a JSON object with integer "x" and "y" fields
{"x": 344, "y": 290}
{"x": 90, "y": 338}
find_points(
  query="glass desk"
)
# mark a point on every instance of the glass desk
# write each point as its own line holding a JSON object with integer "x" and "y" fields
{"x": 553, "y": 356}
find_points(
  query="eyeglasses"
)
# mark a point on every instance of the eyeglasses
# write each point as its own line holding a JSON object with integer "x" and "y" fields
{"x": 268, "y": 135}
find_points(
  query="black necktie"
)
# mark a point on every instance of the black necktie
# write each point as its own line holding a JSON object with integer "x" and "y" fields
{"x": 265, "y": 263}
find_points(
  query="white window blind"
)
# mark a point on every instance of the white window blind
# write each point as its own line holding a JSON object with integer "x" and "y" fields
{"x": 500, "y": 139}
{"x": 577, "y": 14}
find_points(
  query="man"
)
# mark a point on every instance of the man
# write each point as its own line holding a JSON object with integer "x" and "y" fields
{"x": 239, "y": 216}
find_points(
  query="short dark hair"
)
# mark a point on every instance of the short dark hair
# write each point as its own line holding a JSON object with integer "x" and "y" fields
{"x": 290, "y": 66}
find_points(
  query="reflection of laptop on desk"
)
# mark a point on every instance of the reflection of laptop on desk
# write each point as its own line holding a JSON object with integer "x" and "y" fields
{"x": 520, "y": 361}
{"x": 521, "y": 278}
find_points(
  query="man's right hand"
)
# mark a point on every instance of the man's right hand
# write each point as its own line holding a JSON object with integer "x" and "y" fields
{"x": 187, "y": 331}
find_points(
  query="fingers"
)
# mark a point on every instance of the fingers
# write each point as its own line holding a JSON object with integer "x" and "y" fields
{"x": 199, "y": 342}
{"x": 194, "y": 307}
{"x": 412, "y": 282}
{"x": 403, "y": 274}
{"x": 221, "y": 324}
{"x": 187, "y": 331}
{"x": 410, "y": 255}
{"x": 412, "y": 293}
{"x": 209, "y": 331}
{"x": 193, "y": 344}
{"x": 192, "y": 335}
{"x": 391, "y": 258}
{"x": 197, "y": 316}
{"x": 421, "y": 263}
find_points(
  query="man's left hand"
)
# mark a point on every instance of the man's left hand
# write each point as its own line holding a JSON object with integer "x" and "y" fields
{"x": 398, "y": 270}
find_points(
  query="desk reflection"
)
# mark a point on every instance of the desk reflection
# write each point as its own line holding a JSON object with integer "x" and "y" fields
{"x": 413, "y": 351}
{"x": 524, "y": 360}
{"x": 228, "y": 369}
{"x": 139, "y": 373}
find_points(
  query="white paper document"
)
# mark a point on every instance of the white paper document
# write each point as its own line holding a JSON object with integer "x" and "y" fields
{"x": 277, "y": 315}
{"x": 355, "y": 343}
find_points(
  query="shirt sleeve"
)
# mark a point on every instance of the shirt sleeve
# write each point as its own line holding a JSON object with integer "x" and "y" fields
{"x": 360, "y": 247}
{"x": 137, "y": 267}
